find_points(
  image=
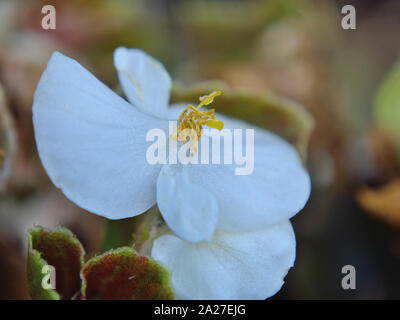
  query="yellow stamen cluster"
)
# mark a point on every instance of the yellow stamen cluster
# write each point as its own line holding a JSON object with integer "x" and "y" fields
{"x": 194, "y": 119}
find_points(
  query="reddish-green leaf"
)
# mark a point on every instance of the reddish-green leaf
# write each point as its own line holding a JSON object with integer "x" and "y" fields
{"x": 123, "y": 274}
{"x": 60, "y": 249}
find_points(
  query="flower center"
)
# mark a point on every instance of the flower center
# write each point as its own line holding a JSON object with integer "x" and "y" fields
{"x": 191, "y": 120}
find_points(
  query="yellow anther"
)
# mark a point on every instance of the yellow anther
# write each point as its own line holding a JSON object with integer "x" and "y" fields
{"x": 206, "y": 100}
{"x": 194, "y": 119}
{"x": 216, "y": 124}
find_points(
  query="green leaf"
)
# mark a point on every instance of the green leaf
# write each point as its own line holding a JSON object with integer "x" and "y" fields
{"x": 387, "y": 105}
{"x": 282, "y": 116}
{"x": 60, "y": 249}
{"x": 123, "y": 274}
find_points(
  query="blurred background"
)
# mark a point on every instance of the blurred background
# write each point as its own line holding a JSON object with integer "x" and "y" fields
{"x": 348, "y": 80}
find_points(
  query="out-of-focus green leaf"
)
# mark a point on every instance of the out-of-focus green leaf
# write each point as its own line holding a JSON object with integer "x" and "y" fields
{"x": 123, "y": 274}
{"x": 387, "y": 105}
{"x": 227, "y": 24}
{"x": 60, "y": 249}
{"x": 280, "y": 115}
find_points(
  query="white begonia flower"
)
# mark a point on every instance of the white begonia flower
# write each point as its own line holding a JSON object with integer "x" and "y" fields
{"x": 233, "y": 236}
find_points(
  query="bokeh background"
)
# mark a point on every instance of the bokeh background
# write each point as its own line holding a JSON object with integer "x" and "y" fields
{"x": 347, "y": 79}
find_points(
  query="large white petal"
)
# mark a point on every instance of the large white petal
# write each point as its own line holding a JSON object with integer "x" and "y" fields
{"x": 275, "y": 191}
{"x": 144, "y": 80}
{"x": 190, "y": 210}
{"x": 92, "y": 142}
{"x": 235, "y": 265}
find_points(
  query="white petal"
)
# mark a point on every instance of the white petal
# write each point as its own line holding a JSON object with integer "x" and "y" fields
{"x": 144, "y": 80}
{"x": 175, "y": 110}
{"x": 92, "y": 142}
{"x": 242, "y": 265}
{"x": 278, "y": 188}
{"x": 275, "y": 191}
{"x": 189, "y": 210}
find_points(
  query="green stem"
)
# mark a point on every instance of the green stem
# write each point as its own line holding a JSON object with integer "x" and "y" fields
{"x": 118, "y": 233}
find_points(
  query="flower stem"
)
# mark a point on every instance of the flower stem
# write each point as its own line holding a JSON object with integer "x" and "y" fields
{"x": 118, "y": 233}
